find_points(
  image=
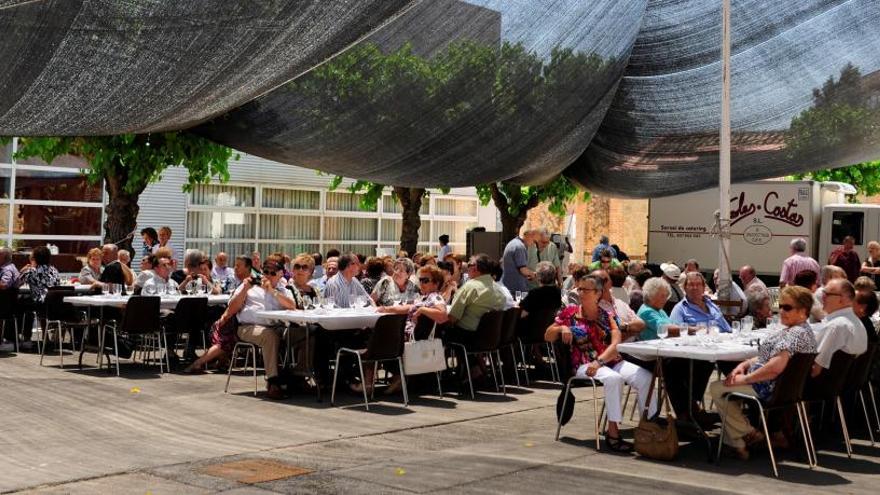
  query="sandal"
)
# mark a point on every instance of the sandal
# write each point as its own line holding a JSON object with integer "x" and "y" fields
{"x": 753, "y": 437}
{"x": 618, "y": 444}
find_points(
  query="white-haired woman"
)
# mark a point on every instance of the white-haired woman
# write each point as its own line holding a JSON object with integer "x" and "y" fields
{"x": 655, "y": 292}
{"x": 390, "y": 289}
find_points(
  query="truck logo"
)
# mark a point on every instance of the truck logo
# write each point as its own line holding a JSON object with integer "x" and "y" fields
{"x": 784, "y": 213}
{"x": 757, "y": 235}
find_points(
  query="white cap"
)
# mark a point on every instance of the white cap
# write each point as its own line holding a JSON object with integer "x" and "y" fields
{"x": 671, "y": 270}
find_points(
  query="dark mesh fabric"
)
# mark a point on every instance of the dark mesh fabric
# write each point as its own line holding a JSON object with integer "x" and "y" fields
{"x": 623, "y": 96}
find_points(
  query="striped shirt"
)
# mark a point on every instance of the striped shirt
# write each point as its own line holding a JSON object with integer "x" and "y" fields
{"x": 795, "y": 264}
{"x": 344, "y": 292}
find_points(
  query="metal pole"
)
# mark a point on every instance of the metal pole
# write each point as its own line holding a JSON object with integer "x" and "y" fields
{"x": 724, "y": 288}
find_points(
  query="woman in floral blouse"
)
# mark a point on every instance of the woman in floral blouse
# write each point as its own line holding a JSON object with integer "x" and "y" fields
{"x": 40, "y": 275}
{"x": 594, "y": 336}
{"x": 397, "y": 285}
{"x": 757, "y": 376}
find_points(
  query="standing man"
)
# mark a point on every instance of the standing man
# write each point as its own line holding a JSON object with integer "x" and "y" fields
{"x": 797, "y": 262}
{"x": 603, "y": 244}
{"x": 445, "y": 248}
{"x": 344, "y": 286}
{"x": 515, "y": 262}
{"x": 847, "y": 258}
{"x": 544, "y": 250}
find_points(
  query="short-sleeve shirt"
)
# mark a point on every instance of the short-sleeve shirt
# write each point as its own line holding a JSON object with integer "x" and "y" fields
{"x": 259, "y": 300}
{"x": 589, "y": 338}
{"x": 691, "y": 314}
{"x": 840, "y": 330}
{"x": 157, "y": 282}
{"x": 343, "y": 291}
{"x": 795, "y": 264}
{"x": 432, "y": 300}
{"x": 39, "y": 280}
{"x": 9, "y": 275}
{"x": 653, "y": 318}
{"x": 386, "y": 290}
{"x": 849, "y": 261}
{"x": 475, "y": 298}
{"x": 516, "y": 256}
{"x": 794, "y": 340}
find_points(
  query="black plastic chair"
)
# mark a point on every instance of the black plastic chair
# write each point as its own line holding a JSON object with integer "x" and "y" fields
{"x": 60, "y": 316}
{"x": 488, "y": 337}
{"x": 859, "y": 374}
{"x": 828, "y": 387}
{"x": 536, "y": 325}
{"x": 140, "y": 318}
{"x": 508, "y": 339}
{"x": 385, "y": 344}
{"x": 8, "y": 302}
{"x": 788, "y": 392}
{"x": 190, "y": 316}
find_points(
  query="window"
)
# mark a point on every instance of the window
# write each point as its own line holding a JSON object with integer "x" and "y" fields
{"x": 290, "y": 227}
{"x": 455, "y": 207}
{"x": 5, "y": 182}
{"x": 343, "y": 201}
{"x": 222, "y": 195}
{"x": 844, "y": 223}
{"x": 350, "y": 229}
{"x": 232, "y": 249}
{"x": 291, "y": 199}
{"x": 457, "y": 231}
{"x": 391, "y": 229}
{"x": 55, "y": 186}
{"x": 290, "y": 249}
{"x": 34, "y": 219}
{"x": 390, "y": 204}
{"x": 221, "y": 225}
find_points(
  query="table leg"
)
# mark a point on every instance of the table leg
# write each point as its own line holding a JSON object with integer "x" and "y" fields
{"x": 698, "y": 428}
{"x": 101, "y": 338}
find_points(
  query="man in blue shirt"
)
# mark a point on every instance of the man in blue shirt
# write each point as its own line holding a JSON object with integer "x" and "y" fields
{"x": 603, "y": 244}
{"x": 697, "y": 308}
{"x": 515, "y": 262}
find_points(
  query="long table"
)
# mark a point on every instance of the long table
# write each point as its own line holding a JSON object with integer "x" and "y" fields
{"x": 329, "y": 319}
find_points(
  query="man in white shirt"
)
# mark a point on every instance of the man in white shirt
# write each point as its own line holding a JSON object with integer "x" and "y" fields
{"x": 445, "y": 248}
{"x": 841, "y": 329}
{"x": 331, "y": 268}
{"x": 161, "y": 278}
{"x": 221, "y": 270}
{"x": 264, "y": 293}
{"x": 344, "y": 287}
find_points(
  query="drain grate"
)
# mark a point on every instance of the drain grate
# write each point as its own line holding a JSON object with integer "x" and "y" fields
{"x": 252, "y": 471}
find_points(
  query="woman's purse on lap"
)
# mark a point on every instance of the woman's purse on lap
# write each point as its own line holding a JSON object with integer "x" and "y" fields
{"x": 657, "y": 438}
{"x": 424, "y": 356}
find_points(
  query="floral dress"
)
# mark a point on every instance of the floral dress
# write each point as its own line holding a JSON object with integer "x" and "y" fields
{"x": 795, "y": 340}
{"x": 589, "y": 338}
{"x": 386, "y": 289}
{"x": 431, "y": 300}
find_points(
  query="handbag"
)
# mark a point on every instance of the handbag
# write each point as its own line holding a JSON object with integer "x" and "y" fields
{"x": 424, "y": 356}
{"x": 656, "y": 438}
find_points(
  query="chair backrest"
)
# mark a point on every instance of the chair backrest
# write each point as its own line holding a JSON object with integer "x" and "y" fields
{"x": 191, "y": 313}
{"x": 423, "y": 328}
{"x": 386, "y": 340}
{"x": 861, "y": 369}
{"x": 8, "y": 303}
{"x": 508, "y": 325}
{"x": 141, "y": 315}
{"x": 831, "y": 382}
{"x": 489, "y": 331}
{"x": 537, "y": 325}
{"x": 790, "y": 383}
{"x": 56, "y": 308}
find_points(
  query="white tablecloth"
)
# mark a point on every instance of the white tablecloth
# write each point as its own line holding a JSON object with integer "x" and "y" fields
{"x": 329, "y": 319}
{"x": 78, "y": 288}
{"x": 167, "y": 302}
{"x": 723, "y": 347}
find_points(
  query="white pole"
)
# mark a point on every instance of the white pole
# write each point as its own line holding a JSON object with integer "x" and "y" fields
{"x": 724, "y": 288}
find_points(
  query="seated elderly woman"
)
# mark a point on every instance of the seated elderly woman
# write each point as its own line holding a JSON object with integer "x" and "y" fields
{"x": 759, "y": 307}
{"x": 756, "y": 376}
{"x": 374, "y": 269}
{"x": 655, "y": 292}
{"x": 593, "y": 336}
{"x": 91, "y": 272}
{"x": 449, "y": 280}
{"x": 545, "y": 297}
{"x": 303, "y": 267}
{"x": 390, "y": 289}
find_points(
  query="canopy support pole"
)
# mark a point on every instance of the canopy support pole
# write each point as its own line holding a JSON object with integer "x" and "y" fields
{"x": 724, "y": 286}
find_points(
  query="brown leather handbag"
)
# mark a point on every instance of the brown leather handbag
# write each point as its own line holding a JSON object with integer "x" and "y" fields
{"x": 657, "y": 438}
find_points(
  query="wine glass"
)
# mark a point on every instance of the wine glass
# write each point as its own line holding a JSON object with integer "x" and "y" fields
{"x": 150, "y": 289}
{"x": 747, "y": 323}
{"x": 663, "y": 331}
{"x": 736, "y": 327}
{"x": 330, "y": 302}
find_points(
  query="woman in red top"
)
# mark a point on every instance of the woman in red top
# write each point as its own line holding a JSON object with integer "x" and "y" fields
{"x": 593, "y": 336}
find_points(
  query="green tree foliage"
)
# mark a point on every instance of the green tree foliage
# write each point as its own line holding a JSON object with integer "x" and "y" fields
{"x": 840, "y": 118}
{"x": 127, "y": 163}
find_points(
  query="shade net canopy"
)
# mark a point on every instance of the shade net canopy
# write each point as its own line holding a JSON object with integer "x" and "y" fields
{"x": 622, "y": 96}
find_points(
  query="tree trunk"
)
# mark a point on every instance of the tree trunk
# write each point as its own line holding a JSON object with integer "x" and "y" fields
{"x": 121, "y": 213}
{"x": 510, "y": 222}
{"x": 411, "y": 200}
{"x": 510, "y": 225}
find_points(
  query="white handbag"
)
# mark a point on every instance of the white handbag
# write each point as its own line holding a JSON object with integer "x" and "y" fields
{"x": 424, "y": 356}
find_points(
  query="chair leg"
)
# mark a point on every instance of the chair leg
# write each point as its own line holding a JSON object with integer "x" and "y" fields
{"x": 229, "y": 370}
{"x": 439, "y": 385}
{"x": 555, "y": 363}
{"x": 116, "y": 350}
{"x": 43, "y": 349}
{"x": 595, "y": 411}
{"x": 874, "y": 403}
{"x": 550, "y": 362}
{"x": 403, "y": 383}
{"x": 809, "y": 433}
{"x": 515, "y": 365}
{"x": 844, "y": 428}
{"x": 564, "y": 403}
{"x": 501, "y": 372}
{"x": 253, "y": 352}
{"x": 492, "y": 367}
{"x": 802, "y": 420}
{"x": 767, "y": 438}
{"x": 720, "y": 437}
{"x": 867, "y": 418}
{"x": 335, "y": 374}
{"x": 373, "y": 380}
{"x": 522, "y": 353}
{"x": 363, "y": 382}
{"x": 467, "y": 367}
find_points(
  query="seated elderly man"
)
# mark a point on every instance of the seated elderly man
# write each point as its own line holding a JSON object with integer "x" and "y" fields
{"x": 841, "y": 329}
{"x": 330, "y": 268}
{"x": 696, "y": 308}
{"x": 475, "y": 298}
{"x": 113, "y": 272}
{"x": 161, "y": 280}
{"x": 344, "y": 287}
{"x": 261, "y": 293}
{"x": 124, "y": 262}
{"x": 542, "y": 299}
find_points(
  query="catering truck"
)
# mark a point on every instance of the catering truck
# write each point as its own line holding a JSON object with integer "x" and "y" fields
{"x": 764, "y": 217}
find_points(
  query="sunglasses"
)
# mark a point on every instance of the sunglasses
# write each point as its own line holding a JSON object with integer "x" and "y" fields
{"x": 424, "y": 280}
{"x": 270, "y": 271}
{"x": 786, "y": 307}
{"x": 586, "y": 289}
{"x": 300, "y": 267}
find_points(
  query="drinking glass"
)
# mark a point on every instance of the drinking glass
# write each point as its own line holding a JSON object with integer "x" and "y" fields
{"x": 330, "y": 302}
{"x": 307, "y": 302}
{"x": 747, "y": 323}
{"x": 150, "y": 289}
{"x": 663, "y": 331}
{"x": 736, "y": 327}
{"x": 519, "y": 295}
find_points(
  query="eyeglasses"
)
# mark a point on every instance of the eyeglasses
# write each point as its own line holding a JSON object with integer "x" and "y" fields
{"x": 300, "y": 267}
{"x": 586, "y": 289}
{"x": 786, "y": 307}
{"x": 604, "y": 261}
{"x": 424, "y": 280}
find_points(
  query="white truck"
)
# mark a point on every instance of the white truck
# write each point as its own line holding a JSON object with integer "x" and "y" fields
{"x": 764, "y": 217}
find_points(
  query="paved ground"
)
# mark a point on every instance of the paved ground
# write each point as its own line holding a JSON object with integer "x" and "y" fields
{"x": 65, "y": 431}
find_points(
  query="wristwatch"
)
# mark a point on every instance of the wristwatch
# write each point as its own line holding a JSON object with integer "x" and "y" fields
{"x": 600, "y": 361}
